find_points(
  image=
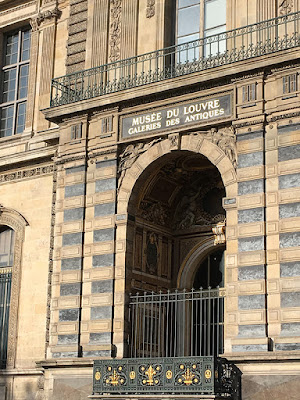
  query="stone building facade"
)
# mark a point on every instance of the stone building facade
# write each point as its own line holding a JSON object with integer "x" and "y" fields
{"x": 145, "y": 160}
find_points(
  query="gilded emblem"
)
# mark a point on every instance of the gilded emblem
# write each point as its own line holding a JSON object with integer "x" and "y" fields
{"x": 97, "y": 376}
{"x": 114, "y": 379}
{"x": 132, "y": 375}
{"x": 150, "y": 373}
{"x": 207, "y": 374}
{"x": 169, "y": 374}
{"x": 188, "y": 377}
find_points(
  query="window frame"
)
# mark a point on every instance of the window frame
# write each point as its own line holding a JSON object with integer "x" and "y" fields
{"x": 16, "y": 102}
{"x": 202, "y": 32}
{"x": 288, "y": 81}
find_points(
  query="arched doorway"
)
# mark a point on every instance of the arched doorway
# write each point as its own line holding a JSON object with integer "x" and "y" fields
{"x": 173, "y": 207}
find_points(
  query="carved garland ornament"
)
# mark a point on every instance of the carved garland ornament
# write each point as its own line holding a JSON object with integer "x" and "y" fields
{"x": 15, "y": 221}
{"x": 115, "y": 30}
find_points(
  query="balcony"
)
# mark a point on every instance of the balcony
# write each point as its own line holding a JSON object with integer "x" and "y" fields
{"x": 200, "y": 376}
{"x": 174, "y": 340}
{"x": 246, "y": 43}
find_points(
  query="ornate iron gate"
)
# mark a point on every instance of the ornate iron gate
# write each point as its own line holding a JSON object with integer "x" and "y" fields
{"x": 5, "y": 290}
{"x": 176, "y": 324}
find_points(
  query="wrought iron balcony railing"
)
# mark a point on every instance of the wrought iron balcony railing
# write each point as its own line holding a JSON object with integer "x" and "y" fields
{"x": 188, "y": 375}
{"x": 239, "y": 44}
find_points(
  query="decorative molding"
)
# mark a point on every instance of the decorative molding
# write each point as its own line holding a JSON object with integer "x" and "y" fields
{"x": 283, "y": 116}
{"x": 249, "y": 123}
{"x": 26, "y": 173}
{"x": 285, "y": 7}
{"x": 129, "y": 156}
{"x": 17, "y": 222}
{"x": 50, "y": 270}
{"x": 17, "y": 8}
{"x": 65, "y": 160}
{"x": 115, "y": 30}
{"x": 150, "y": 9}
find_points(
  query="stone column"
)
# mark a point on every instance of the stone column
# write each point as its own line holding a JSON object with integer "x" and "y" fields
{"x": 34, "y": 50}
{"x": 47, "y": 21}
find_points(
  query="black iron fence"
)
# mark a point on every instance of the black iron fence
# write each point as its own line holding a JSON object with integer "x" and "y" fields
{"x": 5, "y": 290}
{"x": 176, "y": 324}
{"x": 188, "y": 375}
{"x": 239, "y": 44}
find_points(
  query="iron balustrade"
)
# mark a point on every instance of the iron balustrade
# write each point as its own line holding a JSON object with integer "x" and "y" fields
{"x": 5, "y": 291}
{"x": 187, "y": 375}
{"x": 261, "y": 38}
{"x": 176, "y": 324}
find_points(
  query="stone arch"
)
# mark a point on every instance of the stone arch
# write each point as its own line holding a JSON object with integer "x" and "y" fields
{"x": 196, "y": 143}
{"x": 189, "y": 265}
{"x": 140, "y": 156}
{"x": 14, "y": 220}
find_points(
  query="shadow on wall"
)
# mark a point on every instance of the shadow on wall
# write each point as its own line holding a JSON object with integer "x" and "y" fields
{"x": 277, "y": 387}
{"x": 72, "y": 388}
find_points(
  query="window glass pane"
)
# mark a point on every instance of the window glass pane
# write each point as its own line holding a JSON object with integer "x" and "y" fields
{"x": 6, "y": 247}
{"x": 6, "y": 124}
{"x": 188, "y": 20}
{"x": 23, "y": 82}
{"x": 25, "y": 46}
{"x": 214, "y": 45}
{"x": 21, "y": 114}
{"x": 185, "y": 3}
{"x": 9, "y": 85}
{"x": 215, "y": 13}
{"x": 189, "y": 52}
{"x": 12, "y": 43}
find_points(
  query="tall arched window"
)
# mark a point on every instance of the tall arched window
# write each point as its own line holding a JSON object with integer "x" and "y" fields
{"x": 6, "y": 264}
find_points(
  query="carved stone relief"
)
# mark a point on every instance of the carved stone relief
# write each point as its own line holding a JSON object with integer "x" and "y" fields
{"x": 224, "y": 138}
{"x": 130, "y": 154}
{"x": 48, "y": 14}
{"x": 285, "y": 7}
{"x": 115, "y": 30}
{"x": 150, "y": 10}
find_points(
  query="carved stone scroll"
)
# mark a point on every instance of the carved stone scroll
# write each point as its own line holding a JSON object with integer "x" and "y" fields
{"x": 219, "y": 233}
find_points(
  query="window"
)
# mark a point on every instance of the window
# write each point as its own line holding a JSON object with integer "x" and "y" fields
{"x": 249, "y": 93}
{"x": 76, "y": 131}
{"x": 289, "y": 83}
{"x": 201, "y": 18}
{"x": 6, "y": 263}
{"x": 15, "y": 73}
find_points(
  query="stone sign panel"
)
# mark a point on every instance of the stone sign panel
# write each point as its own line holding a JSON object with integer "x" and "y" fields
{"x": 199, "y": 111}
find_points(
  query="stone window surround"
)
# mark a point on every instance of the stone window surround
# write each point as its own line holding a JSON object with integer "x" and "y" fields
{"x": 17, "y": 222}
